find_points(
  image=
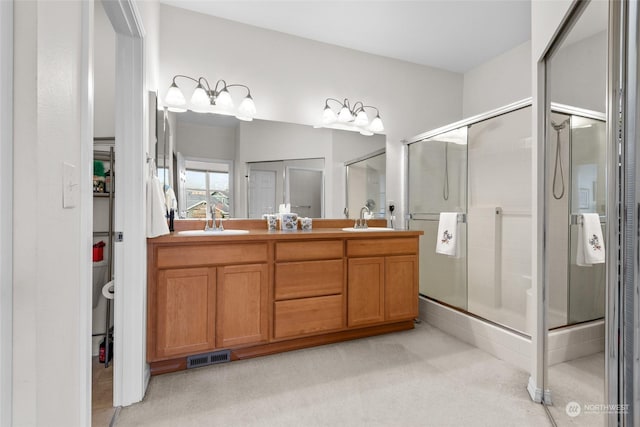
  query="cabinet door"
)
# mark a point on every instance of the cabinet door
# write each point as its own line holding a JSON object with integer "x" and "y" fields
{"x": 401, "y": 287}
{"x": 185, "y": 313}
{"x": 243, "y": 305}
{"x": 365, "y": 291}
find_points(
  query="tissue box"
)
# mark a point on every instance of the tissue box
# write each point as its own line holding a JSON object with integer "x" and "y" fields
{"x": 288, "y": 221}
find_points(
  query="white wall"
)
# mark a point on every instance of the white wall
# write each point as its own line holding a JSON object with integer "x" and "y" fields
{"x": 49, "y": 366}
{"x": 6, "y": 211}
{"x": 104, "y": 74}
{"x": 579, "y": 74}
{"x": 211, "y": 142}
{"x": 498, "y": 82}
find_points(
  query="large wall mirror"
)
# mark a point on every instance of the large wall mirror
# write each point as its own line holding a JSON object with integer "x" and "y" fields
{"x": 576, "y": 162}
{"x": 247, "y": 168}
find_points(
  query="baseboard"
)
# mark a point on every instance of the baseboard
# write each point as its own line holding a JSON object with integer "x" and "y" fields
{"x": 535, "y": 392}
{"x": 576, "y": 341}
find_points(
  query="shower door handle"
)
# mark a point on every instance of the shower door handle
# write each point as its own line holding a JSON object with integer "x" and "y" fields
{"x": 576, "y": 219}
{"x": 423, "y": 216}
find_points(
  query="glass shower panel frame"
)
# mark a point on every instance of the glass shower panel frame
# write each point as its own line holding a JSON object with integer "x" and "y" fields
{"x": 437, "y": 182}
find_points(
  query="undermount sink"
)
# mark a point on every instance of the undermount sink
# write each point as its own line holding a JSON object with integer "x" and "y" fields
{"x": 368, "y": 229}
{"x": 211, "y": 232}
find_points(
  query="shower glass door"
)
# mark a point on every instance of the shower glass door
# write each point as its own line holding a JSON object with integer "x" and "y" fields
{"x": 438, "y": 183}
{"x": 499, "y": 220}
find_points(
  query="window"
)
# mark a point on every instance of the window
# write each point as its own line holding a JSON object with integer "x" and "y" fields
{"x": 207, "y": 188}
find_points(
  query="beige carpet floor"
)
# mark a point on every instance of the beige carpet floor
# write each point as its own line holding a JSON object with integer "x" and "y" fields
{"x": 580, "y": 381}
{"x": 422, "y": 377}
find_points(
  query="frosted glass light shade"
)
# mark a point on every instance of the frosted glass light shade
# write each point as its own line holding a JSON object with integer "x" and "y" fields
{"x": 224, "y": 99}
{"x": 345, "y": 115}
{"x": 247, "y": 109}
{"x": 365, "y": 132}
{"x": 200, "y": 99}
{"x": 361, "y": 119}
{"x": 328, "y": 116}
{"x": 376, "y": 125}
{"x": 174, "y": 97}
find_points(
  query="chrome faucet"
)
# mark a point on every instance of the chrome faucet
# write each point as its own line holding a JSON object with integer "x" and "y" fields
{"x": 214, "y": 226}
{"x": 362, "y": 221}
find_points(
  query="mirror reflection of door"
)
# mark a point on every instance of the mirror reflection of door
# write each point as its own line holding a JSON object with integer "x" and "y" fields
{"x": 262, "y": 192}
{"x": 299, "y": 182}
{"x": 305, "y": 188}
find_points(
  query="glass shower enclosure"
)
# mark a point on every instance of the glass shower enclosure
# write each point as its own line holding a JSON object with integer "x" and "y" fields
{"x": 480, "y": 169}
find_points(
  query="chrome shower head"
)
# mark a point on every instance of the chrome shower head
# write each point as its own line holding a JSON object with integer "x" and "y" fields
{"x": 561, "y": 125}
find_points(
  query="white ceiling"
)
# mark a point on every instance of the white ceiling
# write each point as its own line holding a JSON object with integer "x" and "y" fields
{"x": 456, "y": 35}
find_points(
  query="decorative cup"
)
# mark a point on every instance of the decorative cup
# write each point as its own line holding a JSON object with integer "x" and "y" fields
{"x": 288, "y": 221}
{"x": 272, "y": 222}
{"x": 306, "y": 223}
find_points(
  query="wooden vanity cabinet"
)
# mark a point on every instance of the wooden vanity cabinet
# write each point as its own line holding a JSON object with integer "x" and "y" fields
{"x": 185, "y": 311}
{"x": 308, "y": 288}
{"x": 267, "y": 293}
{"x": 382, "y": 280}
{"x": 242, "y": 305}
{"x": 195, "y": 308}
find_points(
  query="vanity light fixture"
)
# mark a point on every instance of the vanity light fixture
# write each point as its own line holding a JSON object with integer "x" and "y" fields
{"x": 351, "y": 118}
{"x": 207, "y": 100}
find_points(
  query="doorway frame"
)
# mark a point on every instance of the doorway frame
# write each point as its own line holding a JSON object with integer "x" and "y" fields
{"x": 131, "y": 372}
{"x": 6, "y": 212}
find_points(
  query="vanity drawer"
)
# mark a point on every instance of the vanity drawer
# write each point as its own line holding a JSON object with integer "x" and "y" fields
{"x": 309, "y": 250}
{"x": 211, "y": 254}
{"x": 308, "y": 316}
{"x": 382, "y": 247}
{"x": 308, "y": 279}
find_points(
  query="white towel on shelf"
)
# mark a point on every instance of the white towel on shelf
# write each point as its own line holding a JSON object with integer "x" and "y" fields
{"x": 447, "y": 238}
{"x": 590, "y": 242}
{"x": 156, "y": 209}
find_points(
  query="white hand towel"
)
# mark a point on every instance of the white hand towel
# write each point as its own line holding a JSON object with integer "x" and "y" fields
{"x": 447, "y": 234}
{"x": 590, "y": 242}
{"x": 170, "y": 199}
{"x": 156, "y": 209}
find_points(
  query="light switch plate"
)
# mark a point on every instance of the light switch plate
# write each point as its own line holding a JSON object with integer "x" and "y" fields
{"x": 70, "y": 186}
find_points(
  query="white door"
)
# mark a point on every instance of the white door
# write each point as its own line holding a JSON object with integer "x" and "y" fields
{"x": 262, "y": 193}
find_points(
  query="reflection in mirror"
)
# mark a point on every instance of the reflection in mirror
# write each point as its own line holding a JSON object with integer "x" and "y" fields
{"x": 298, "y": 183}
{"x": 576, "y": 185}
{"x": 366, "y": 185}
{"x": 196, "y": 150}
